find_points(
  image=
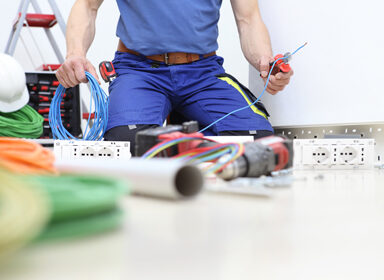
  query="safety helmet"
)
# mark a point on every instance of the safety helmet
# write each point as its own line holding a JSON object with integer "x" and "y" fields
{"x": 13, "y": 91}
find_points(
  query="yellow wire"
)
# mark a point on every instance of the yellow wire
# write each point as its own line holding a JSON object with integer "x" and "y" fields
{"x": 24, "y": 211}
{"x": 166, "y": 147}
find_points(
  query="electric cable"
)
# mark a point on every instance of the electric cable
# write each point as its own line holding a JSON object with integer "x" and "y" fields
{"x": 25, "y": 157}
{"x": 83, "y": 227}
{"x": 24, "y": 123}
{"x": 202, "y": 154}
{"x": 81, "y": 205}
{"x": 24, "y": 213}
{"x": 262, "y": 93}
{"x": 74, "y": 196}
{"x": 100, "y": 100}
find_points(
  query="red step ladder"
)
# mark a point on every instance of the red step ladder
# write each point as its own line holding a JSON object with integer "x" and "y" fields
{"x": 37, "y": 20}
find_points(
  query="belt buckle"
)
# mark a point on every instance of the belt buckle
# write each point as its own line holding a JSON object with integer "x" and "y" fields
{"x": 166, "y": 59}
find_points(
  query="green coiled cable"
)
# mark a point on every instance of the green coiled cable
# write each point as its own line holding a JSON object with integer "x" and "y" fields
{"x": 24, "y": 123}
{"x": 81, "y": 205}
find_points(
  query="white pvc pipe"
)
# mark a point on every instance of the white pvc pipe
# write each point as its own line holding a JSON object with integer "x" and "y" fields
{"x": 164, "y": 178}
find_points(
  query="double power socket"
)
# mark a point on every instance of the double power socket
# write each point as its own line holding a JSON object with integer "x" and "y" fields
{"x": 79, "y": 149}
{"x": 334, "y": 153}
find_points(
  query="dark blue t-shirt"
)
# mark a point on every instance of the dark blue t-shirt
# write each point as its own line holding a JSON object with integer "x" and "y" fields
{"x": 159, "y": 26}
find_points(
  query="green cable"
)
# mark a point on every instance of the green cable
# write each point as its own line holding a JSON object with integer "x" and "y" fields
{"x": 24, "y": 123}
{"x": 82, "y": 227}
{"x": 80, "y": 195}
{"x": 81, "y": 205}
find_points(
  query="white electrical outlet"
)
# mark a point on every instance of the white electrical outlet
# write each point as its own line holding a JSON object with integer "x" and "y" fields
{"x": 78, "y": 149}
{"x": 333, "y": 153}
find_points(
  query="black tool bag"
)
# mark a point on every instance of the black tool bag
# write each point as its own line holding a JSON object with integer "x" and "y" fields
{"x": 250, "y": 95}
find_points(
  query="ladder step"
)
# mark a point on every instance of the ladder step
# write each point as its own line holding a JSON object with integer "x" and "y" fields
{"x": 48, "y": 67}
{"x": 38, "y": 20}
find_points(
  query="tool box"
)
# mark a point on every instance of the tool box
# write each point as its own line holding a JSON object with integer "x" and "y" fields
{"x": 42, "y": 87}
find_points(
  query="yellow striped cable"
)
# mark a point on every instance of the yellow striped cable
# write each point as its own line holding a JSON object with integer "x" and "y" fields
{"x": 24, "y": 211}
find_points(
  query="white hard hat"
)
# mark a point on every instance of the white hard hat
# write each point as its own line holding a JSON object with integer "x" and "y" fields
{"x": 13, "y": 91}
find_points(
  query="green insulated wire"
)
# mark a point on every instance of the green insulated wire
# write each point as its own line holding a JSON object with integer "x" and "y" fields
{"x": 81, "y": 205}
{"x": 24, "y": 123}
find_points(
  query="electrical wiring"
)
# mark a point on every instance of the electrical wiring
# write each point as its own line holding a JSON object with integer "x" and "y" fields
{"x": 83, "y": 227}
{"x": 262, "y": 93}
{"x": 81, "y": 205}
{"x": 25, "y": 157}
{"x": 166, "y": 144}
{"x": 74, "y": 196}
{"x": 202, "y": 154}
{"x": 24, "y": 213}
{"x": 24, "y": 123}
{"x": 98, "y": 99}
{"x": 221, "y": 155}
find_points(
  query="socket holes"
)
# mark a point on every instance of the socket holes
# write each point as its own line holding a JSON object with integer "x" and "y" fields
{"x": 295, "y": 137}
{"x": 362, "y": 135}
{"x": 315, "y": 136}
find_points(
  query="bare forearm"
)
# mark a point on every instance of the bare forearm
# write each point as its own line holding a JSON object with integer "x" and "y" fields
{"x": 254, "y": 39}
{"x": 256, "y": 44}
{"x": 80, "y": 34}
{"x": 81, "y": 27}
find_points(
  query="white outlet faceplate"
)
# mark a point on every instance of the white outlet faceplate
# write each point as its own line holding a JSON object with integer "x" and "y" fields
{"x": 333, "y": 153}
{"x": 76, "y": 149}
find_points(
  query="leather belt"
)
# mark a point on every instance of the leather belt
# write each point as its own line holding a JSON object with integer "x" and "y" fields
{"x": 167, "y": 58}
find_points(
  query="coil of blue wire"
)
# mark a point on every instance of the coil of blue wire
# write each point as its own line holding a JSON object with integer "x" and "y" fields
{"x": 98, "y": 99}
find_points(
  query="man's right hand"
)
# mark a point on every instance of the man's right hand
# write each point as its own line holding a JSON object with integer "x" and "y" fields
{"x": 72, "y": 71}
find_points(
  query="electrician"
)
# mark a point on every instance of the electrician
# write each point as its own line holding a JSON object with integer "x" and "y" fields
{"x": 166, "y": 61}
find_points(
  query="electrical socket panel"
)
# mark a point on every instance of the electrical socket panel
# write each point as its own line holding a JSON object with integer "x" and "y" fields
{"x": 79, "y": 149}
{"x": 333, "y": 153}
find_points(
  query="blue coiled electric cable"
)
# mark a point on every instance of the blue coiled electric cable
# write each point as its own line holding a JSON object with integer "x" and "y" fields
{"x": 100, "y": 100}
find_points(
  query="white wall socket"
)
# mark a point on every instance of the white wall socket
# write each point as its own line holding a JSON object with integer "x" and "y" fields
{"x": 333, "y": 153}
{"x": 79, "y": 149}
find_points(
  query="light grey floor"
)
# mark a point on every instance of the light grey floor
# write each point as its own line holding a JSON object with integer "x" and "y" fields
{"x": 328, "y": 225}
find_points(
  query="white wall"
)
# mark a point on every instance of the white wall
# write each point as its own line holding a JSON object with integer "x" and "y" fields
{"x": 338, "y": 76}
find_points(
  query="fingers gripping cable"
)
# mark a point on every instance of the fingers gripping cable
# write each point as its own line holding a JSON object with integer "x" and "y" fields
{"x": 98, "y": 99}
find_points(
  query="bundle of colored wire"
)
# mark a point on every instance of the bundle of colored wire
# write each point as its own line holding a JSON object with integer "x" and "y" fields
{"x": 262, "y": 93}
{"x": 203, "y": 154}
{"x": 221, "y": 155}
{"x": 98, "y": 99}
{"x": 24, "y": 123}
{"x": 24, "y": 213}
{"x": 25, "y": 157}
{"x": 81, "y": 205}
